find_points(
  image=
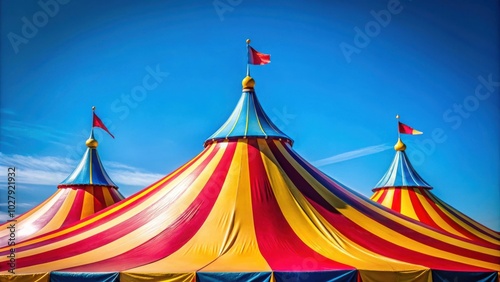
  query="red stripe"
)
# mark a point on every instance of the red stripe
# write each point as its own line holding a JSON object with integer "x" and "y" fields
{"x": 382, "y": 197}
{"x": 99, "y": 200}
{"x": 159, "y": 208}
{"x": 396, "y": 200}
{"x": 125, "y": 205}
{"x": 115, "y": 195}
{"x": 419, "y": 209}
{"x": 380, "y": 246}
{"x": 278, "y": 243}
{"x": 76, "y": 209}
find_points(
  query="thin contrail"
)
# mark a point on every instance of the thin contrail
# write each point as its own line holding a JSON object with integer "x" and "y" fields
{"x": 352, "y": 155}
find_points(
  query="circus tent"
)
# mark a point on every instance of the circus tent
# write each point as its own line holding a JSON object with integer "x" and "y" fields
{"x": 87, "y": 190}
{"x": 250, "y": 208}
{"x": 403, "y": 190}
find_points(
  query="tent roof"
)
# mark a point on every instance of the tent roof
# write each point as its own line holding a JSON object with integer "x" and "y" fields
{"x": 90, "y": 170}
{"x": 251, "y": 204}
{"x": 401, "y": 173}
{"x": 248, "y": 119}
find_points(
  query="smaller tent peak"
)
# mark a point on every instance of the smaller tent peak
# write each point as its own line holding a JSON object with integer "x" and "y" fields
{"x": 400, "y": 146}
{"x": 401, "y": 173}
{"x": 90, "y": 170}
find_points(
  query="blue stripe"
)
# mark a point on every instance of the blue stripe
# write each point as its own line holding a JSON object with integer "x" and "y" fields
{"x": 83, "y": 277}
{"x": 313, "y": 276}
{"x": 233, "y": 276}
{"x": 455, "y": 276}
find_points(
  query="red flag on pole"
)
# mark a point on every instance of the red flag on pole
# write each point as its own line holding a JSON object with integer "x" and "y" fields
{"x": 257, "y": 58}
{"x": 405, "y": 129}
{"x": 97, "y": 122}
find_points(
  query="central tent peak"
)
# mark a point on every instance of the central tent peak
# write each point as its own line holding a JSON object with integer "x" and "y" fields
{"x": 248, "y": 119}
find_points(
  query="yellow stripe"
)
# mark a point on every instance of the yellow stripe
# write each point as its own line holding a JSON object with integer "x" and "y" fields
{"x": 376, "y": 196}
{"x": 173, "y": 206}
{"x": 390, "y": 235}
{"x": 406, "y": 204}
{"x": 88, "y": 202}
{"x": 123, "y": 204}
{"x": 164, "y": 277}
{"x": 90, "y": 166}
{"x": 34, "y": 277}
{"x": 106, "y": 193}
{"x": 246, "y": 121}
{"x": 400, "y": 276}
{"x": 389, "y": 198}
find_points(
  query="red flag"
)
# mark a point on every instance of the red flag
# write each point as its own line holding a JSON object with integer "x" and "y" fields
{"x": 97, "y": 122}
{"x": 257, "y": 58}
{"x": 405, "y": 129}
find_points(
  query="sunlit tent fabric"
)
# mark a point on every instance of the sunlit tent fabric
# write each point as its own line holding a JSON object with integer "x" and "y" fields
{"x": 403, "y": 190}
{"x": 250, "y": 208}
{"x": 87, "y": 190}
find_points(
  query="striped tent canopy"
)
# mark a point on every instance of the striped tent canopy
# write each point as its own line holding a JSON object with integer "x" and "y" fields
{"x": 86, "y": 191}
{"x": 249, "y": 208}
{"x": 403, "y": 190}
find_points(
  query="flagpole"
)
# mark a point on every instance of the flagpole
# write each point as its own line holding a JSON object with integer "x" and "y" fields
{"x": 399, "y": 134}
{"x": 248, "y": 54}
{"x": 92, "y": 130}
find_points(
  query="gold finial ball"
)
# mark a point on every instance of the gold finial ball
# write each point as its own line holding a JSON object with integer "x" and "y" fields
{"x": 400, "y": 146}
{"x": 248, "y": 82}
{"x": 248, "y": 41}
{"x": 91, "y": 143}
{"x": 397, "y": 116}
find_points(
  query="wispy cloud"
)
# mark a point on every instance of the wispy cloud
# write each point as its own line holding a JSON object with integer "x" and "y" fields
{"x": 124, "y": 174}
{"x": 5, "y": 111}
{"x": 4, "y": 217}
{"x": 14, "y": 129}
{"x": 19, "y": 205}
{"x": 49, "y": 170}
{"x": 352, "y": 155}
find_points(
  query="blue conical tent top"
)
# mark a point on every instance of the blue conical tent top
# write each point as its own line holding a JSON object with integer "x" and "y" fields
{"x": 401, "y": 173}
{"x": 248, "y": 119}
{"x": 90, "y": 170}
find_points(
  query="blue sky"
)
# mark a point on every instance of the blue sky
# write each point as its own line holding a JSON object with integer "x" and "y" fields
{"x": 164, "y": 75}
